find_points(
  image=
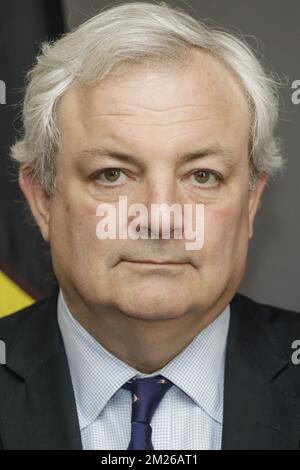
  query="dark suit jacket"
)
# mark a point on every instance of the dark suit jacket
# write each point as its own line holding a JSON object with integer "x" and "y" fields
{"x": 261, "y": 390}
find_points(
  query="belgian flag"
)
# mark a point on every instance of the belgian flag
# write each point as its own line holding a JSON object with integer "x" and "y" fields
{"x": 25, "y": 268}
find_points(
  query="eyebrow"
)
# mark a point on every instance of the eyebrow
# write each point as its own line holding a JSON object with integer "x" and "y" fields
{"x": 226, "y": 155}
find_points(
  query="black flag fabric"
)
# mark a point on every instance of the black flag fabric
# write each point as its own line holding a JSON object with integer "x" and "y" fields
{"x": 25, "y": 268}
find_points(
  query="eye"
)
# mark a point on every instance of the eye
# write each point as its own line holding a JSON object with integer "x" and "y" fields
{"x": 206, "y": 178}
{"x": 109, "y": 176}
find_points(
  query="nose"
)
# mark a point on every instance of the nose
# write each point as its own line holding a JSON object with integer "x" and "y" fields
{"x": 164, "y": 207}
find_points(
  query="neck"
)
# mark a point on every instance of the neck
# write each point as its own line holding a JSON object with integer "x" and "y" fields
{"x": 146, "y": 345}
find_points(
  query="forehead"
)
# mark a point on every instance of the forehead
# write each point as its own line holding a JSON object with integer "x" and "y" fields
{"x": 198, "y": 96}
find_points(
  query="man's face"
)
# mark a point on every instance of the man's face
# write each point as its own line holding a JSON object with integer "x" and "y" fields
{"x": 157, "y": 115}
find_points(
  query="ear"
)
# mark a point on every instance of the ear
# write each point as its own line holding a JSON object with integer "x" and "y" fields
{"x": 37, "y": 198}
{"x": 254, "y": 200}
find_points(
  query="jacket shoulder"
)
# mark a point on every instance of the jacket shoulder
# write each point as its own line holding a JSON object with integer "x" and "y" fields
{"x": 284, "y": 323}
{"x": 14, "y": 321}
{"x": 266, "y": 311}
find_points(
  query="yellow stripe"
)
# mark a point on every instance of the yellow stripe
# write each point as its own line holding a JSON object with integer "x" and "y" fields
{"x": 12, "y": 297}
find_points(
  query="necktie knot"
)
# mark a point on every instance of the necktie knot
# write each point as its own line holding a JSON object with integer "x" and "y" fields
{"x": 147, "y": 393}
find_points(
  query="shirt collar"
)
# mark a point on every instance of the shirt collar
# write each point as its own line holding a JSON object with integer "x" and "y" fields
{"x": 97, "y": 374}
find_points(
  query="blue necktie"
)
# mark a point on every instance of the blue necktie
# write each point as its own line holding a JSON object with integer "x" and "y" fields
{"x": 147, "y": 393}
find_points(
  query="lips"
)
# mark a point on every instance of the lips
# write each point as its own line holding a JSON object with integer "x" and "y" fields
{"x": 150, "y": 261}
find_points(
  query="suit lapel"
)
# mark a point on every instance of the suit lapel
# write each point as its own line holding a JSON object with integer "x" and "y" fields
{"x": 37, "y": 410}
{"x": 261, "y": 405}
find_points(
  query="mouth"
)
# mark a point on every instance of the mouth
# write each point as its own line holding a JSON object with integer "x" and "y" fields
{"x": 150, "y": 262}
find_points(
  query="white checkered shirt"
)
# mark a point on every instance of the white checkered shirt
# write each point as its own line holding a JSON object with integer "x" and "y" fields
{"x": 189, "y": 416}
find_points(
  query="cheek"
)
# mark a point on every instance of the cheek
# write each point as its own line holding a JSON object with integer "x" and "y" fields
{"x": 73, "y": 229}
{"x": 226, "y": 231}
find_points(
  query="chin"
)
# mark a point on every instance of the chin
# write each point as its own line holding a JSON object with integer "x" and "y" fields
{"x": 153, "y": 309}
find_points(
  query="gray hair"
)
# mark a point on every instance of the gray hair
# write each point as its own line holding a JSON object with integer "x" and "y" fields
{"x": 132, "y": 33}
